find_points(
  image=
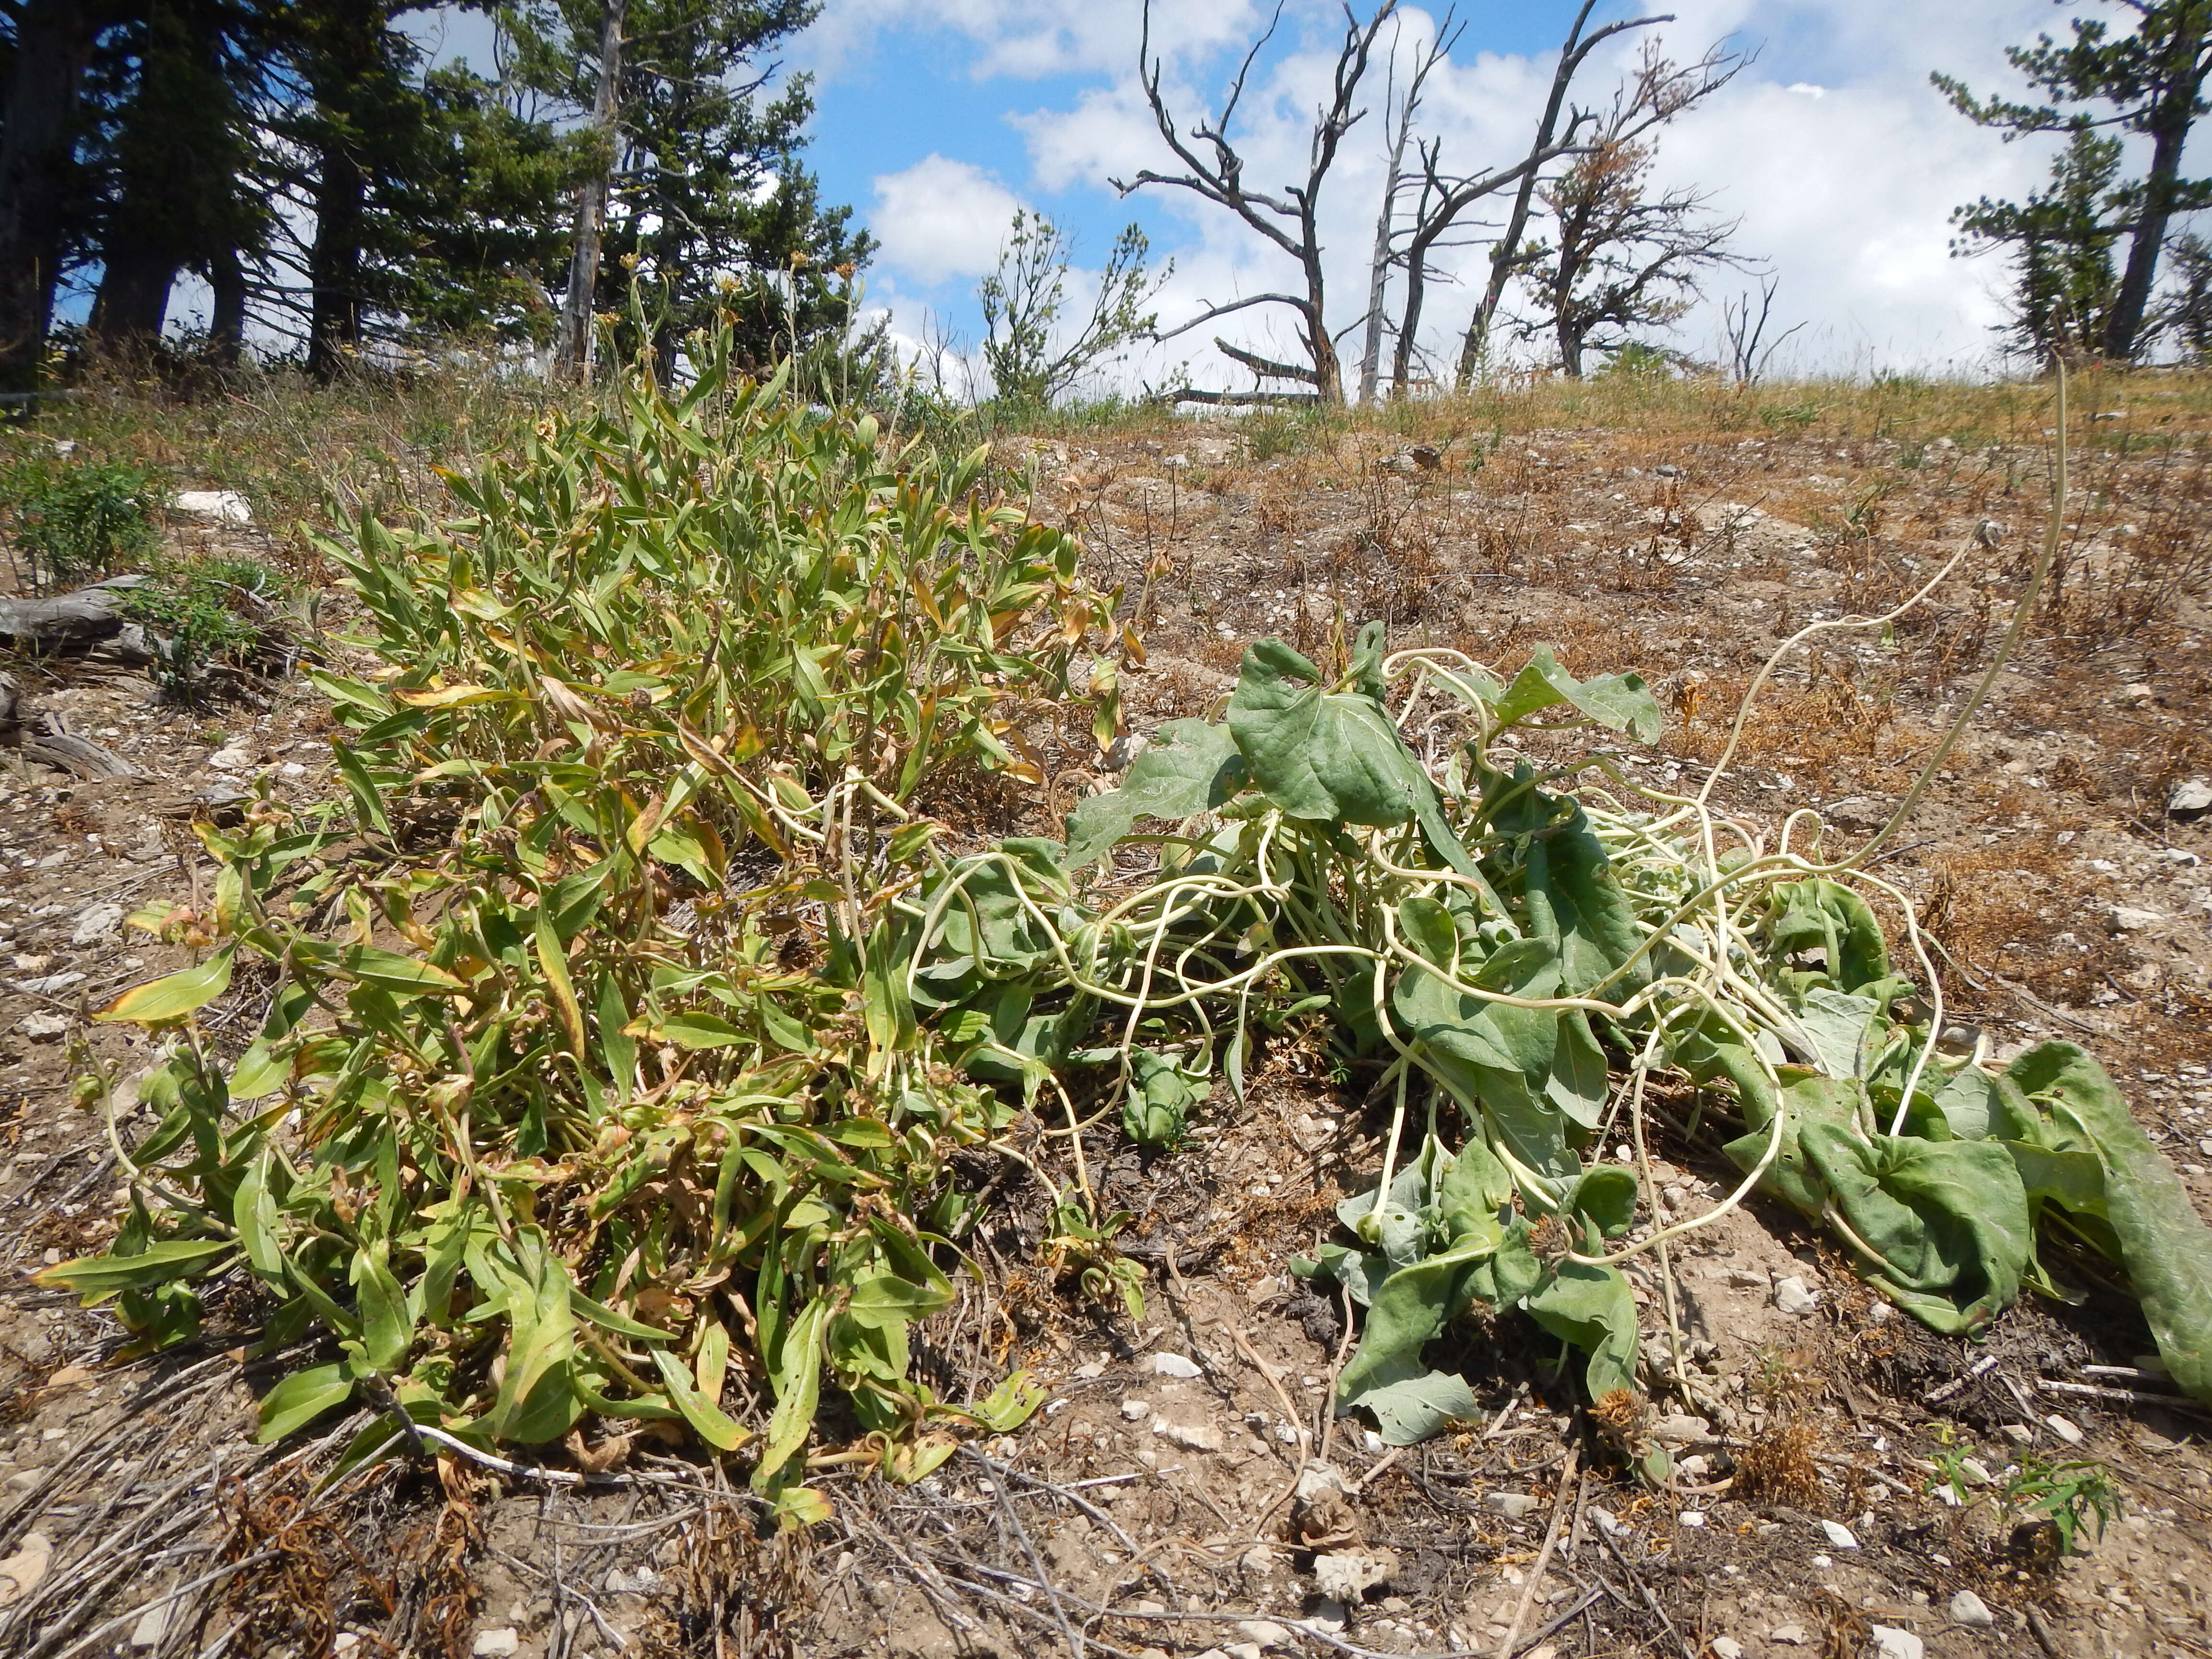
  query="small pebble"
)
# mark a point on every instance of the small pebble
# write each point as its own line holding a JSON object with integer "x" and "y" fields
{"x": 1839, "y": 1534}
{"x": 1792, "y": 1636}
{"x": 1136, "y": 1410}
{"x": 2065, "y": 1428}
{"x": 1968, "y": 1608}
{"x": 1726, "y": 1647}
{"x": 496, "y": 1643}
{"x": 1890, "y": 1642}
{"x": 1175, "y": 1365}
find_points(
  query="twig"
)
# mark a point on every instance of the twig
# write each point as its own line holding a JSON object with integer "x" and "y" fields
{"x": 2134, "y": 1396}
{"x": 1005, "y": 1506}
{"x": 1643, "y": 1593}
{"x": 1568, "y": 1486}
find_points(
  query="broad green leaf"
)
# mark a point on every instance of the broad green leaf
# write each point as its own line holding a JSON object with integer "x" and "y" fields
{"x": 388, "y": 971}
{"x": 536, "y": 1401}
{"x": 690, "y": 1029}
{"x": 302, "y": 1398}
{"x": 387, "y": 1329}
{"x": 1594, "y": 1309}
{"x": 159, "y": 1002}
{"x": 1010, "y": 1405}
{"x": 1333, "y": 756}
{"x": 2165, "y": 1248}
{"x": 253, "y": 1212}
{"x": 705, "y": 1417}
{"x": 1948, "y": 1221}
{"x": 1415, "y": 1408}
{"x": 797, "y": 1379}
{"x": 1619, "y": 701}
{"x": 97, "y": 1277}
{"x": 1841, "y": 1028}
{"x": 1190, "y": 768}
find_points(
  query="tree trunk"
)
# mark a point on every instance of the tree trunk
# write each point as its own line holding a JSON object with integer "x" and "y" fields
{"x": 573, "y": 360}
{"x": 334, "y": 260}
{"x": 1505, "y": 256}
{"x": 133, "y": 300}
{"x": 1378, "y": 269}
{"x": 1504, "y": 259}
{"x": 53, "y": 43}
{"x": 226, "y": 276}
{"x": 1409, "y": 320}
{"x": 2175, "y": 110}
{"x": 1570, "y": 337}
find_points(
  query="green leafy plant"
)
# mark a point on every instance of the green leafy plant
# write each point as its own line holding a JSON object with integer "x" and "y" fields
{"x": 2067, "y": 1493}
{"x": 78, "y": 520}
{"x": 589, "y": 1085}
{"x": 1492, "y": 950}
{"x": 204, "y": 615}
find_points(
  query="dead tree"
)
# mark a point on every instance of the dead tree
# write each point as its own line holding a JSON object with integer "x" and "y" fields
{"x": 1386, "y": 254}
{"x": 1622, "y": 259}
{"x": 1288, "y": 219}
{"x": 1745, "y": 324}
{"x": 1661, "y": 97}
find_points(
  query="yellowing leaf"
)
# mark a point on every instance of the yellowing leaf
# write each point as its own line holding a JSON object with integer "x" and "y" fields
{"x": 450, "y": 697}
{"x": 160, "y": 1001}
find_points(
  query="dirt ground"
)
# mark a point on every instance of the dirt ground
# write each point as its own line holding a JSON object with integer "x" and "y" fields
{"x": 1184, "y": 1488}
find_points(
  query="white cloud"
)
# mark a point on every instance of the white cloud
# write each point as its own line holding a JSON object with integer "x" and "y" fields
{"x": 941, "y": 218}
{"x": 1841, "y": 163}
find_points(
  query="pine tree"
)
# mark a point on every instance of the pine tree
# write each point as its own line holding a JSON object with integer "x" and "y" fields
{"x": 2149, "y": 82}
{"x": 2062, "y": 240}
{"x": 710, "y": 209}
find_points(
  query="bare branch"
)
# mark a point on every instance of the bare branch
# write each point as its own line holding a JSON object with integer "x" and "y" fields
{"x": 1260, "y": 365}
{"x": 1213, "y": 312}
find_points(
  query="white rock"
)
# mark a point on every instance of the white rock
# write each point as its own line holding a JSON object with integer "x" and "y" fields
{"x": 1681, "y": 1430}
{"x": 152, "y": 1625}
{"x": 1890, "y": 1642}
{"x": 1347, "y": 1575}
{"x": 232, "y": 759}
{"x": 1266, "y": 1631}
{"x": 95, "y": 922}
{"x": 293, "y": 769}
{"x": 1316, "y": 1480}
{"x": 1823, "y": 1563}
{"x": 2191, "y": 800}
{"x": 1513, "y": 1506}
{"x": 496, "y": 1643}
{"x": 26, "y": 1570}
{"x": 2065, "y": 1428}
{"x": 1968, "y": 1608}
{"x": 1692, "y": 1519}
{"x": 1175, "y": 1366}
{"x": 1726, "y": 1647}
{"x": 1329, "y": 1617}
{"x": 44, "y": 1028}
{"x": 1839, "y": 1534}
{"x": 52, "y": 984}
{"x": 1791, "y": 1636}
{"x": 1191, "y": 1436}
{"x": 1136, "y": 1410}
{"x": 224, "y": 506}
{"x": 2127, "y": 919}
{"x": 1791, "y": 1296}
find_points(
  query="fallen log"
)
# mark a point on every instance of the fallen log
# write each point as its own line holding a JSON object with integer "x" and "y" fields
{"x": 68, "y": 619}
{"x": 51, "y": 741}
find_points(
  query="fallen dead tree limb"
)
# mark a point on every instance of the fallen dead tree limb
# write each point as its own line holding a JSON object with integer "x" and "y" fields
{"x": 65, "y": 619}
